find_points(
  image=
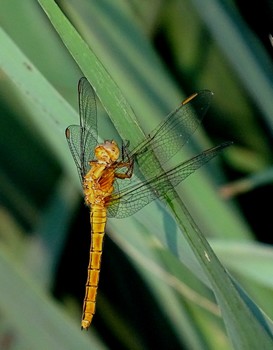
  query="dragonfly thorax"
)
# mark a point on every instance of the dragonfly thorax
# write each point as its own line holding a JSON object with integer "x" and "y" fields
{"x": 107, "y": 152}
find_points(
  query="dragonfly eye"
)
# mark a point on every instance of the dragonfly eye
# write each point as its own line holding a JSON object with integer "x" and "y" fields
{"x": 107, "y": 151}
{"x": 112, "y": 149}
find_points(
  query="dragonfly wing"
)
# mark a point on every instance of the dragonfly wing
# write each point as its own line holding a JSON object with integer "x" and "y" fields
{"x": 170, "y": 136}
{"x": 88, "y": 121}
{"x": 82, "y": 138}
{"x": 73, "y": 137}
{"x": 135, "y": 197}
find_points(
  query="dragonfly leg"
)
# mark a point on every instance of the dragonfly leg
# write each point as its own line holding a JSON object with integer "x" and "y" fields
{"x": 129, "y": 172}
{"x": 125, "y": 150}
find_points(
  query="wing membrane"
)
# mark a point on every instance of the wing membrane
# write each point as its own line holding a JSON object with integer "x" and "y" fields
{"x": 82, "y": 139}
{"x": 88, "y": 122}
{"x": 135, "y": 197}
{"x": 170, "y": 136}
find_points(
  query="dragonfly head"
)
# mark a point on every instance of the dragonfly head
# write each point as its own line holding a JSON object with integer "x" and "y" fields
{"x": 107, "y": 152}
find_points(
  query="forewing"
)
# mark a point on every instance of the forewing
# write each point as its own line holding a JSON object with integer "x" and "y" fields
{"x": 82, "y": 139}
{"x": 170, "y": 136}
{"x": 88, "y": 122}
{"x": 135, "y": 197}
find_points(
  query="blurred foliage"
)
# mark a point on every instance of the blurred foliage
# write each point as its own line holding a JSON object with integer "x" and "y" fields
{"x": 157, "y": 53}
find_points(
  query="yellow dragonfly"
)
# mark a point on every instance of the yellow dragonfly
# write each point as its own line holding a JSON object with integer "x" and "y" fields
{"x": 118, "y": 183}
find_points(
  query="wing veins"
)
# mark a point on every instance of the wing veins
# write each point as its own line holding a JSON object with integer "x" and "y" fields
{"x": 158, "y": 186}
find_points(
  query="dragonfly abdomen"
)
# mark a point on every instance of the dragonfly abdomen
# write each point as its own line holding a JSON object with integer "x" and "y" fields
{"x": 98, "y": 222}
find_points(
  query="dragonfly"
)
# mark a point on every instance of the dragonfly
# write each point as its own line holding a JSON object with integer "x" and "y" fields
{"x": 119, "y": 181}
